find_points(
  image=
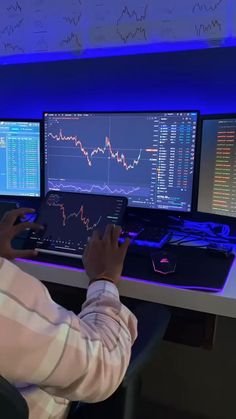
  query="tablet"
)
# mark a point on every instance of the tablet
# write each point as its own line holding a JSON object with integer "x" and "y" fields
{"x": 70, "y": 218}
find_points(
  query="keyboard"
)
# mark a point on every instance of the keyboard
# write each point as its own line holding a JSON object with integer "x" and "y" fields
{"x": 150, "y": 236}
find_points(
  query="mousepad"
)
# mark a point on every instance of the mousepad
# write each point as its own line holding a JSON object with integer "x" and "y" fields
{"x": 196, "y": 268}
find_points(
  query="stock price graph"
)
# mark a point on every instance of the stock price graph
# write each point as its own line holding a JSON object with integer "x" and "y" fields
{"x": 130, "y": 25}
{"x": 69, "y": 219}
{"x": 53, "y": 201}
{"x": 119, "y": 157}
{"x": 128, "y": 154}
{"x": 28, "y": 27}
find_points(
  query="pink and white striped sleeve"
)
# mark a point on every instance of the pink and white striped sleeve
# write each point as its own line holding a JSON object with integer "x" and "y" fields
{"x": 80, "y": 357}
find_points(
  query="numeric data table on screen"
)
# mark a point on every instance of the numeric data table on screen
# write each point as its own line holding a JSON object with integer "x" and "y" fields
{"x": 20, "y": 158}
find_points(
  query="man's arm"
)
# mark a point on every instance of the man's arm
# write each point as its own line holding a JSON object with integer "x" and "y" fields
{"x": 80, "y": 357}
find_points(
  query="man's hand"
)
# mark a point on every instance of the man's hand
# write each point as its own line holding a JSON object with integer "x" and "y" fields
{"x": 8, "y": 231}
{"x": 103, "y": 256}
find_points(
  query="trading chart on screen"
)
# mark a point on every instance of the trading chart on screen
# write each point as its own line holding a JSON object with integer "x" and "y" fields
{"x": 69, "y": 219}
{"x": 146, "y": 157}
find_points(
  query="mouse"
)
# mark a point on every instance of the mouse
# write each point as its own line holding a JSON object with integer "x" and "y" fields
{"x": 164, "y": 262}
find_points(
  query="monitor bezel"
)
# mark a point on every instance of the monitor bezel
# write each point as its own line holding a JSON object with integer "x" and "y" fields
{"x": 142, "y": 212}
{"x": 200, "y": 215}
{"x": 27, "y": 198}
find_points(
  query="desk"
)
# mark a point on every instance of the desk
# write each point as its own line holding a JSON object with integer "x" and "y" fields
{"x": 222, "y": 303}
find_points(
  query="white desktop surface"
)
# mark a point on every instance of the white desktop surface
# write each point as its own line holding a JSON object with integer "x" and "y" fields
{"x": 222, "y": 303}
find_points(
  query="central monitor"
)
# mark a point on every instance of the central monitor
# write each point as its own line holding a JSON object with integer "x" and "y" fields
{"x": 147, "y": 157}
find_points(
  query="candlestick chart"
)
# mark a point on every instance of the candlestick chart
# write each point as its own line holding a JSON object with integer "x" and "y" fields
{"x": 123, "y": 154}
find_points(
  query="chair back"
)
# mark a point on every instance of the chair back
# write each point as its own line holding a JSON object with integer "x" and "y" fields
{"x": 12, "y": 403}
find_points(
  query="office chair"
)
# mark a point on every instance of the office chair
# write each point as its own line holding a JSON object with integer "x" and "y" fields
{"x": 14, "y": 406}
{"x": 12, "y": 403}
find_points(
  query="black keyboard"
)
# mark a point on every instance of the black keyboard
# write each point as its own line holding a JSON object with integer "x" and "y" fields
{"x": 155, "y": 236}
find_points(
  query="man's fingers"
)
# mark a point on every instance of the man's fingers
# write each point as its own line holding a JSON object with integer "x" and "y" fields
{"x": 116, "y": 234}
{"x": 95, "y": 236}
{"x": 26, "y": 254}
{"x": 87, "y": 248}
{"x": 108, "y": 234}
{"x": 124, "y": 246}
{"x": 11, "y": 216}
{"x": 23, "y": 226}
{"x": 84, "y": 256}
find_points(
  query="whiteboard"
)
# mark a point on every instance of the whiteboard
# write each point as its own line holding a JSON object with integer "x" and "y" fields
{"x": 40, "y": 26}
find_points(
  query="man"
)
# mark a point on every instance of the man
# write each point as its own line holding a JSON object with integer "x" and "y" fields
{"x": 49, "y": 353}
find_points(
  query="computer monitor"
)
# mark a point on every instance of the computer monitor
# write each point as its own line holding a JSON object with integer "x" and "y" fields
{"x": 217, "y": 182}
{"x": 146, "y": 156}
{"x": 20, "y": 158}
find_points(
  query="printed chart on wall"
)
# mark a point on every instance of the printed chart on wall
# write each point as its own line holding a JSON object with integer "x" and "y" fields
{"x": 41, "y": 26}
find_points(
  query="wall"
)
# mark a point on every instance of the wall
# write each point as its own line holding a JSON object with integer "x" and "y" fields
{"x": 187, "y": 378}
{"x": 202, "y": 79}
{"x": 196, "y": 381}
{"x": 88, "y": 27}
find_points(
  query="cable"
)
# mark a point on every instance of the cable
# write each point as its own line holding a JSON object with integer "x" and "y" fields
{"x": 208, "y": 230}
